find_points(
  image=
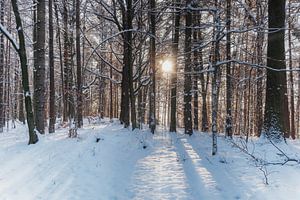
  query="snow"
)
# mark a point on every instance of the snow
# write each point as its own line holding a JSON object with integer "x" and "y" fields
{"x": 108, "y": 162}
{"x": 9, "y": 36}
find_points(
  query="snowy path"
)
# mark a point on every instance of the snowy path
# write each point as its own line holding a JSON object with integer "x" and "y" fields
{"x": 160, "y": 175}
{"x": 174, "y": 171}
{"x": 118, "y": 167}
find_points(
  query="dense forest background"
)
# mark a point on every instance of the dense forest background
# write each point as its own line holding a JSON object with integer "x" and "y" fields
{"x": 216, "y": 66}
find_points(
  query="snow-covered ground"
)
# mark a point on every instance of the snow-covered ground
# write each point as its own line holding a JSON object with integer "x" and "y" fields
{"x": 137, "y": 165}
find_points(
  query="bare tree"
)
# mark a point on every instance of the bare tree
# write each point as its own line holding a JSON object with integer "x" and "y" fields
{"x": 21, "y": 50}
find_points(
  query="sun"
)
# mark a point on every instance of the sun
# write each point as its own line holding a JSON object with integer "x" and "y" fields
{"x": 167, "y": 66}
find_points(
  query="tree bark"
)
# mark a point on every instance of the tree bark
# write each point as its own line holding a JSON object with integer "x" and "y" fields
{"x": 52, "y": 114}
{"x": 275, "y": 107}
{"x": 78, "y": 63}
{"x": 33, "y": 138}
{"x": 188, "y": 126}
{"x": 2, "y": 110}
{"x": 228, "y": 71}
{"x": 152, "y": 97}
{"x": 196, "y": 77}
{"x": 215, "y": 78}
{"x": 175, "y": 42}
{"x": 39, "y": 67}
{"x": 259, "y": 90}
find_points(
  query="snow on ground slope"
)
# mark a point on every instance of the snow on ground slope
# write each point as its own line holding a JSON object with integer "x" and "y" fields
{"x": 125, "y": 165}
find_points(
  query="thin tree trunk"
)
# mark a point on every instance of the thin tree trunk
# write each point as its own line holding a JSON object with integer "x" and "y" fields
{"x": 39, "y": 67}
{"x": 33, "y": 138}
{"x": 152, "y": 97}
{"x": 259, "y": 91}
{"x": 21, "y": 114}
{"x": 195, "y": 80}
{"x": 2, "y": 114}
{"x": 228, "y": 71}
{"x": 58, "y": 37}
{"x": 188, "y": 127}
{"x": 52, "y": 114}
{"x": 111, "y": 111}
{"x": 215, "y": 78}
{"x": 292, "y": 103}
{"x": 175, "y": 42}
{"x": 78, "y": 63}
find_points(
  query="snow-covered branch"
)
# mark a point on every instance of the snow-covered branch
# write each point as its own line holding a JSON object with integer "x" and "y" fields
{"x": 9, "y": 37}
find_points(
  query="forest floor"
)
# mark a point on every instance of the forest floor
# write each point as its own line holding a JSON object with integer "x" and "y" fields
{"x": 107, "y": 162}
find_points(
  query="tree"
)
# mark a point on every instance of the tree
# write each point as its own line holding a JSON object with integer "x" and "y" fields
{"x": 2, "y": 111}
{"x": 78, "y": 63}
{"x": 216, "y": 76}
{"x": 21, "y": 50}
{"x": 175, "y": 41}
{"x": 275, "y": 107}
{"x": 228, "y": 71}
{"x": 196, "y": 70}
{"x": 259, "y": 46}
{"x": 152, "y": 117}
{"x": 52, "y": 114}
{"x": 39, "y": 65}
{"x": 188, "y": 126}
{"x": 291, "y": 77}
{"x": 126, "y": 84}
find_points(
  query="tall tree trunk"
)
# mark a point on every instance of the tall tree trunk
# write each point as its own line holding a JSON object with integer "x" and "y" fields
{"x": 33, "y": 138}
{"x": 204, "y": 84}
{"x": 215, "y": 78}
{"x": 275, "y": 108}
{"x": 52, "y": 114}
{"x": 126, "y": 85}
{"x": 152, "y": 97}
{"x": 58, "y": 37}
{"x": 111, "y": 110}
{"x": 68, "y": 75}
{"x": 188, "y": 129}
{"x": 195, "y": 78}
{"x": 292, "y": 103}
{"x": 228, "y": 71}
{"x": 39, "y": 67}
{"x": 175, "y": 42}
{"x": 65, "y": 61}
{"x": 259, "y": 90}
{"x": 78, "y": 63}
{"x": 2, "y": 110}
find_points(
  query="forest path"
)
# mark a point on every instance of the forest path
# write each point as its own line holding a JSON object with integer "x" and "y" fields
{"x": 175, "y": 170}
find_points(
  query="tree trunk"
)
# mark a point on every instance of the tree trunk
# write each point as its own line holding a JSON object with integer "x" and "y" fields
{"x": 78, "y": 63}
{"x": 58, "y": 37}
{"x": 215, "y": 78}
{"x": 52, "y": 114}
{"x": 259, "y": 90}
{"x": 195, "y": 77}
{"x": 2, "y": 110}
{"x": 292, "y": 103}
{"x": 188, "y": 129}
{"x": 126, "y": 84}
{"x": 175, "y": 42}
{"x": 111, "y": 110}
{"x": 33, "y": 138}
{"x": 21, "y": 115}
{"x": 152, "y": 97}
{"x": 228, "y": 71}
{"x": 39, "y": 67}
{"x": 275, "y": 108}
